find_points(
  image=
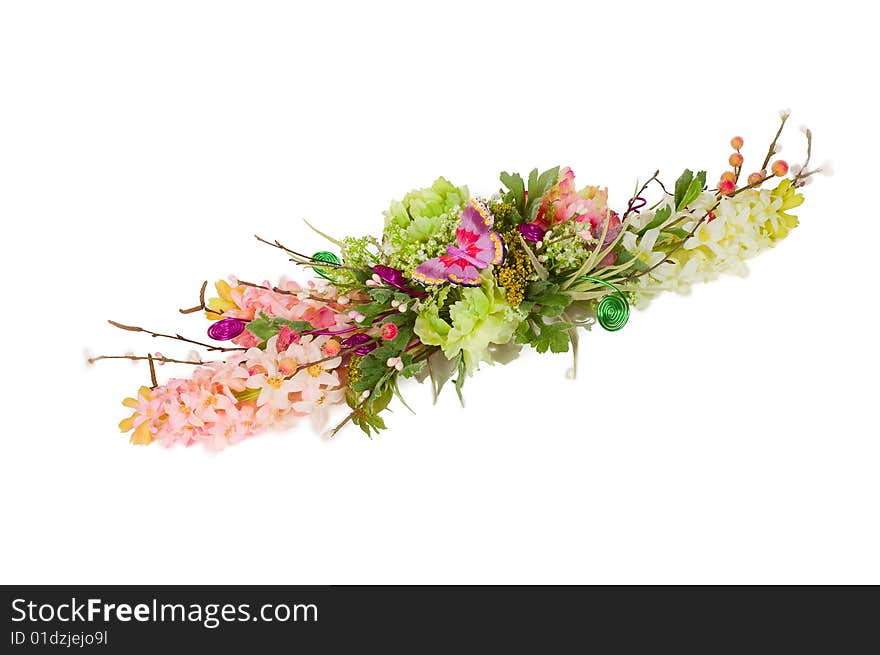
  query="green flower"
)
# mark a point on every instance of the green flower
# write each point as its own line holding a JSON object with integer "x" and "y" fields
{"x": 481, "y": 317}
{"x": 422, "y": 224}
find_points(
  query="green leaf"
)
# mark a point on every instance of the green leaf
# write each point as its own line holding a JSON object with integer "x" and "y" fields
{"x": 378, "y": 402}
{"x": 538, "y": 186}
{"x": 266, "y": 327}
{"x": 695, "y": 187}
{"x": 459, "y": 380}
{"x": 681, "y": 186}
{"x": 517, "y": 189}
{"x": 660, "y": 217}
{"x": 540, "y": 287}
{"x": 562, "y": 299}
{"x": 624, "y": 256}
{"x": 553, "y": 337}
{"x": 679, "y": 232}
{"x": 381, "y": 295}
{"x": 525, "y": 333}
{"x": 247, "y": 394}
{"x": 413, "y": 369}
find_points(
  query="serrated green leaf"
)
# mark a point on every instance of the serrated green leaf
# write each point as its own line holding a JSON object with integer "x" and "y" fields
{"x": 517, "y": 189}
{"x": 538, "y": 186}
{"x": 381, "y": 295}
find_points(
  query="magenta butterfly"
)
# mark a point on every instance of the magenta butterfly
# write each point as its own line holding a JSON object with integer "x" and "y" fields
{"x": 476, "y": 247}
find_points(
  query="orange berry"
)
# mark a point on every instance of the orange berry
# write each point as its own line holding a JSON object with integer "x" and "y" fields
{"x": 779, "y": 167}
{"x": 736, "y": 160}
{"x": 726, "y": 187}
{"x": 736, "y": 142}
{"x": 755, "y": 178}
{"x": 728, "y": 175}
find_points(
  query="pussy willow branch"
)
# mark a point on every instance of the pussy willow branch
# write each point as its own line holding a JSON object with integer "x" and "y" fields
{"x": 176, "y": 337}
{"x": 155, "y": 358}
{"x": 772, "y": 149}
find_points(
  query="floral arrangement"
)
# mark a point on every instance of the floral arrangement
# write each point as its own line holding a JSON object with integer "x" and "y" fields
{"x": 453, "y": 282}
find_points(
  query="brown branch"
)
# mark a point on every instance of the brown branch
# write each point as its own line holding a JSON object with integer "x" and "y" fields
{"x": 155, "y": 358}
{"x": 177, "y": 337}
{"x": 285, "y": 292}
{"x": 772, "y": 149}
{"x": 152, "y": 372}
{"x": 201, "y": 304}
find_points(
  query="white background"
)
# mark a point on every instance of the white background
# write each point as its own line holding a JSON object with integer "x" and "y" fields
{"x": 726, "y": 437}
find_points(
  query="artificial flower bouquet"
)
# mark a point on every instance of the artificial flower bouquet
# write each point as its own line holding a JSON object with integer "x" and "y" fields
{"x": 455, "y": 281}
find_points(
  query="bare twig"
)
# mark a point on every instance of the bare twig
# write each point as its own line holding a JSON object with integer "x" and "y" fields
{"x": 201, "y": 304}
{"x": 177, "y": 337}
{"x": 152, "y": 372}
{"x": 155, "y": 358}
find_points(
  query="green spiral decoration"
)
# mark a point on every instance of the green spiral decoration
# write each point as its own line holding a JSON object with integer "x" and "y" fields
{"x": 612, "y": 311}
{"x": 324, "y": 256}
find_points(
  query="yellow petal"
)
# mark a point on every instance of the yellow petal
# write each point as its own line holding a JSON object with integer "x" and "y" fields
{"x": 223, "y": 289}
{"x": 130, "y": 402}
{"x": 145, "y": 392}
{"x": 127, "y": 424}
{"x": 142, "y": 436}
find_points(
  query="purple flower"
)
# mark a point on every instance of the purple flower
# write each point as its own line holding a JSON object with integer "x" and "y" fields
{"x": 394, "y": 278}
{"x": 531, "y": 232}
{"x": 366, "y": 343}
{"x": 226, "y": 329}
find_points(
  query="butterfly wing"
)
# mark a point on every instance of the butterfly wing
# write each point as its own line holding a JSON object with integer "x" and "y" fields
{"x": 431, "y": 272}
{"x": 448, "y": 268}
{"x": 475, "y": 237}
{"x": 476, "y": 218}
{"x": 476, "y": 247}
{"x": 462, "y": 272}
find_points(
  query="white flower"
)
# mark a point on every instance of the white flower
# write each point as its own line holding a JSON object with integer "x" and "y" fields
{"x": 643, "y": 248}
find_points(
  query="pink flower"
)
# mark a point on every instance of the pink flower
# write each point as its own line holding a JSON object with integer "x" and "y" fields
{"x": 594, "y": 232}
{"x": 286, "y": 337}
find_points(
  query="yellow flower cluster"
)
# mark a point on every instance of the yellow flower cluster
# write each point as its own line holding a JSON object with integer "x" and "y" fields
{"x": 516, "y": 272}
